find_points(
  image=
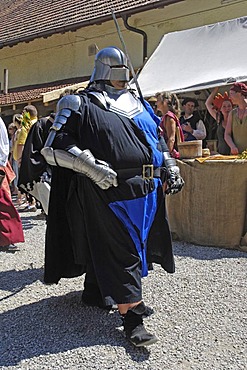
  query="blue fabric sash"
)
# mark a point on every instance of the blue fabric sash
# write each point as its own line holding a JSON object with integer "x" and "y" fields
{"x": 137, "y": 215}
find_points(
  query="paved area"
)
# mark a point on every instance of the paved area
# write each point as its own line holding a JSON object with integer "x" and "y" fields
{"x": 199, "y": 314}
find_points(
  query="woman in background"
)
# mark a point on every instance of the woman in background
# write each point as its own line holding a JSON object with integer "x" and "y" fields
{"x": 236, "y": 128}
{"x": 219, "y": 107}
{"x": 10, "y": 223}
{"x": 11, "y": 131}
{"x": 168, "y": 105}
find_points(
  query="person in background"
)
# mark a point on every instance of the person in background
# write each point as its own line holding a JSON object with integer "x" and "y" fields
{"x": 106, "y": 158}
{"x": 190, "y": 121}
{"x": 236, "y": 128}
{"x": 219, "y": 107}
{"x": 29, "y": 117}
{"x": 10, "y": 224}
{"x": 11, "y": 131}
{"x": 17, "y": 119}
{"x": 152, "y": 101}
{"x": 29, "y": 114}
{"x": 35, "y": 173}
{"x": 168, "y": 105}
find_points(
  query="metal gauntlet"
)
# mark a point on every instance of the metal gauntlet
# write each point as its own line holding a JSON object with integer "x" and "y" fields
{"x": 174, "y": 182}
{"x": 98, "y": 171}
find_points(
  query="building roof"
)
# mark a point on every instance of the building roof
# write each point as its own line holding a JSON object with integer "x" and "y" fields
{"x": 26, "y": 20}
{"x": 36, "y": 92}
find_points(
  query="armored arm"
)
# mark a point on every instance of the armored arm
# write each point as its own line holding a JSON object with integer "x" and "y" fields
{"x": 174, "y": 181}
{"x": 65, "y": 107}
{"x": 84, "y": 162}
{"x": 75, "y": 159}
{"x": 172, "y": 173}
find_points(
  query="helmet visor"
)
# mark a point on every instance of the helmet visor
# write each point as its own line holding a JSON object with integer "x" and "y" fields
{"x": 119, "y": 74}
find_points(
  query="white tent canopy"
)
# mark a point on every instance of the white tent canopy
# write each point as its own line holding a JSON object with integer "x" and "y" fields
{"x": 198, "y": 58}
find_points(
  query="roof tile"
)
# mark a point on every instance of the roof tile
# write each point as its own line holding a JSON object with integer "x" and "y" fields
{"x": 34, "y": 92}
{"x": 25, "y": 20}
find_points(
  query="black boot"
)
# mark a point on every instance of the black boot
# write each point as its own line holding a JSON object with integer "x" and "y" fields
{"x": 134, "y": 328}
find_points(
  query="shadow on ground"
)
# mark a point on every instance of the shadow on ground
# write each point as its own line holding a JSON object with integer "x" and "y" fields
{"x": 15, "y": 280}
{"x": 28, "y": 222}
{"x": 59, "y": 324}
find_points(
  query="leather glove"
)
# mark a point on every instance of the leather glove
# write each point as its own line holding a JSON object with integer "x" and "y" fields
{"x": 174, "y": 181}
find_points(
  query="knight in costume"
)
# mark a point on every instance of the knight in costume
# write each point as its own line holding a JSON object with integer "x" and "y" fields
{"x": 107, "y": 214}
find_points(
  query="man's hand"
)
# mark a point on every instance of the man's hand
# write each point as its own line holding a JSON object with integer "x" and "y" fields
{"x": 98, "y": 171}
{"x": 174, "y": 182}
{"x": 106, "y": 177}
{"x": 187, "y": 128}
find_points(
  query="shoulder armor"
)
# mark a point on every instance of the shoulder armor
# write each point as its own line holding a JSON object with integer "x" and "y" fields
{"x": 65, "y": 106}
{"x": 71, "y": 102}
{"x": 125, "y": 103}
{"x": 100, "y": 96}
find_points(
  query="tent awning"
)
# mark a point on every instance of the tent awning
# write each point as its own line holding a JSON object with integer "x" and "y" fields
{"x": 198, "y": 58}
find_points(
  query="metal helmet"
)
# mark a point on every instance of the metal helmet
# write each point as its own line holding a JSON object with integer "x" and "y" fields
{"x": 110, "y": 64}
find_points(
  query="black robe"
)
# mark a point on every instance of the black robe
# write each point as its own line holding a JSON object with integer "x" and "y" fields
{"x": 82, "y": 228}
{"x": 33, "y": 164}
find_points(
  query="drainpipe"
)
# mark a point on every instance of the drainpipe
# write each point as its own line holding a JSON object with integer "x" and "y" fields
{"x": 5, "y": 81}
{"x": 131, "y": 28}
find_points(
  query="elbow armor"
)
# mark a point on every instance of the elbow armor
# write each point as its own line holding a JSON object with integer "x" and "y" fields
{"x": 65, "y": 107}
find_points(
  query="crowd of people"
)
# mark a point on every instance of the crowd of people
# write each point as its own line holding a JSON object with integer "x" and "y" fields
{"x": 17, "y": 153}
{"x": 183, "y": 122}
{"x": 106, "y": 155}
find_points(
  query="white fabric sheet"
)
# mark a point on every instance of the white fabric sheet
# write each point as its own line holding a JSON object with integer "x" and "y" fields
{"x": 198, "y": 58}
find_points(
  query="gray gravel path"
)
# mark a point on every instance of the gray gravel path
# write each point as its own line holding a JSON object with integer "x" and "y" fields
{"x": 200, "y": 314}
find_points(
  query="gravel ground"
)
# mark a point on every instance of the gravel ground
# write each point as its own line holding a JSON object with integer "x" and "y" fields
{"x": 199, "y": 314}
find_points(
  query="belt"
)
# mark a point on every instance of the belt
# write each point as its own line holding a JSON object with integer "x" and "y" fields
{"x": 147, "y": 172}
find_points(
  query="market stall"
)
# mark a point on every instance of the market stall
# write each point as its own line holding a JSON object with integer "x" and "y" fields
{"x": 211, "y": 208}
